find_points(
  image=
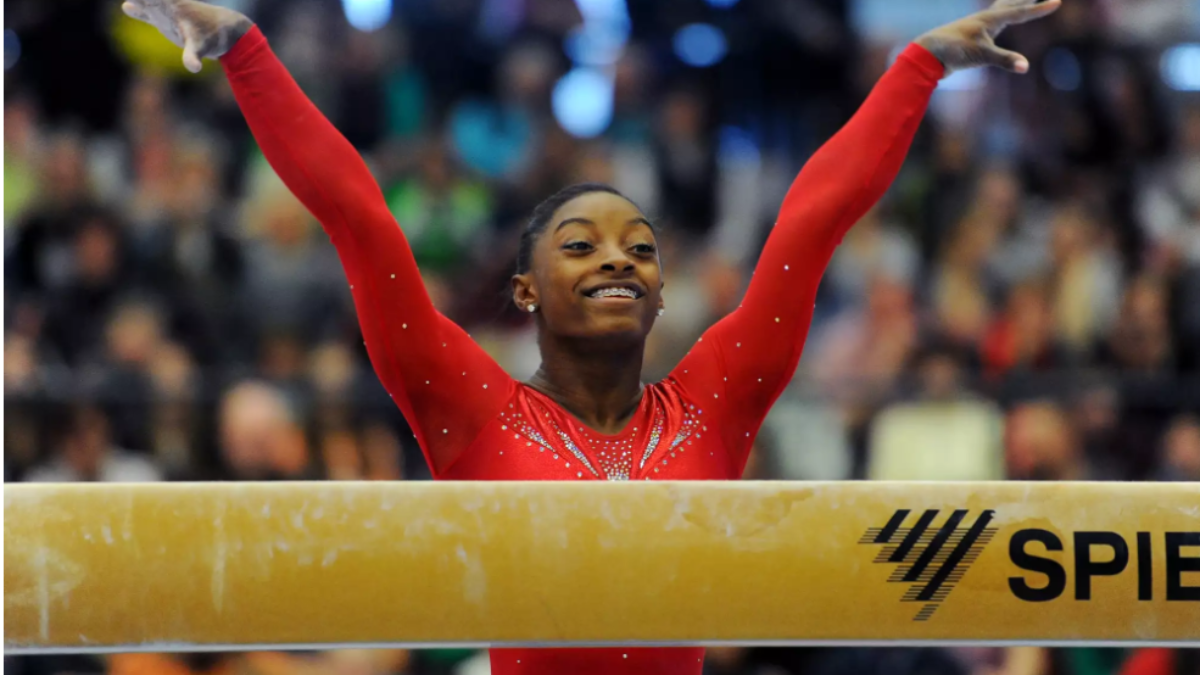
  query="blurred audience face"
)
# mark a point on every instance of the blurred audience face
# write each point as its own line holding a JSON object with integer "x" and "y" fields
{"x": 383, "y": 453}
{"x": 1096, "y": 412}
{"x": 20, "y": 126}
{"x": 341, "y": 456}
{"x": 972, "y": 241}
{"x": 1042, "y": 445}
{"x": 999, "y": 194}
{"x": 880, "y": 345}
{"x": 97, "y": 252}
{"x": 286, "y": 223}
{"x": 65, "y": 180}
{"x": 1029, "y": 314}
{"x": 952, "y": 151}
{"x": 1071, "y": 235}
{"x": 331, "y": 369}
{"x": 683, "y": 116}
{"x": 941, "y": 377}
{"x": 153, "y": 163}
{"x": 1181, "y": 450}
{"x": 134, "y": 334}
{"x": 172, "y": 370}
{"x": 146, "y": 106}
{"x": 20, "y": 363}
{"x": 525, "y": 75}
{"x": 259, "y": 437}
{"x": 888, "y": 300}
{"x": 375, "y": 454}
{"x": 437, "y": 174}
{"x": 962, "y": 306}
{"x": 195, "y": 192}
{"x": 87, "y": 443}
{"x": 1141, "y": 338}
{"x": 722, "y": 282}
{"x": 1023, "y": 336}
{"x": 282, "y": 357}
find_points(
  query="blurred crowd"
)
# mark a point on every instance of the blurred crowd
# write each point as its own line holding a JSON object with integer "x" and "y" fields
{"x": 1027, "y": 294}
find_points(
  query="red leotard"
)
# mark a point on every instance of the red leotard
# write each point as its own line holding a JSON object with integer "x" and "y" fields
{"x": 474, "y": 422}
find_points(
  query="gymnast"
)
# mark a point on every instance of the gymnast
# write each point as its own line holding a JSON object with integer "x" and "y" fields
{"x": 588, "y": 270}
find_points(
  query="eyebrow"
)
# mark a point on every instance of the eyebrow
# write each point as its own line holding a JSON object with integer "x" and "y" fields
{"x": 584, "y": 221}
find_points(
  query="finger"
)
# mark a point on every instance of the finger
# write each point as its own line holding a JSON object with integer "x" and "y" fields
{"x": 134, "y": 10}
{"x": 191, "y": 60}
{"x": 1012, "y": 16}
{"x": 1010, "y": 4}
{"x": 1008, "y": 60}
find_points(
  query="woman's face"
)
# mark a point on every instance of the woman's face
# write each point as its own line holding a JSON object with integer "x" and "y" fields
{"x": 595, "y": 271}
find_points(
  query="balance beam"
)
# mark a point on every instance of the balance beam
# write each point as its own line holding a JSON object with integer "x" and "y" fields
{"x": 239, "y": 566}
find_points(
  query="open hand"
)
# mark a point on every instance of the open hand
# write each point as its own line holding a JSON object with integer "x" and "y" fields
{"x": 971, "y": 42}
{"x": 203, "y": 30}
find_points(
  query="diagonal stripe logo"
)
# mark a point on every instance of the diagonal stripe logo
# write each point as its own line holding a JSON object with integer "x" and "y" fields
{"x": 930, "y": 557}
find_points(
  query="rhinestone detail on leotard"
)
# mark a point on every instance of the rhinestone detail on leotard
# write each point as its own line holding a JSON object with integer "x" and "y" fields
{"x": 614, "y": 458}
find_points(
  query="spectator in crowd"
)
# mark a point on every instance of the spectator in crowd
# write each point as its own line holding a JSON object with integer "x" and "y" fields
{"x": 86, "y": 453}
{"x": 863, "y": 352}
{"x": 1181, "y": 450}
{"x": 947, "y": 434}
{"x": 1042, "y": 445}
{"x": 260, "y": 438}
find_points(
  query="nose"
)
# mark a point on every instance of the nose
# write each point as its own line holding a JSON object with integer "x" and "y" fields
{"x": 616, "y": 260}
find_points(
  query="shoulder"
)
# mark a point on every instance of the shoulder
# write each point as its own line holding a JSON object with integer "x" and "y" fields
{"x": 678, "y": 399}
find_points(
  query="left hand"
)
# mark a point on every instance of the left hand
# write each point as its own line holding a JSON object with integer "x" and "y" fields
{"x": 971, "y": 42}
{"x": 202, "y": 29}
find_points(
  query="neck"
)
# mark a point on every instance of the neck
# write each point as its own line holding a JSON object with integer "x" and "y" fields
{"x": 600, "y": 384}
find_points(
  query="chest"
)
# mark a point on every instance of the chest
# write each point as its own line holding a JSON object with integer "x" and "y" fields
{"x": 668, "y": 438}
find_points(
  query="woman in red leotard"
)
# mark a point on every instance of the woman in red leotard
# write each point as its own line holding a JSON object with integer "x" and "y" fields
{"x": 589, "y": 273}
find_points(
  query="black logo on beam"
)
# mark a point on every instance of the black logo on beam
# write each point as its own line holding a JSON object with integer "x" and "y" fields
{"x": 930, "y": 558}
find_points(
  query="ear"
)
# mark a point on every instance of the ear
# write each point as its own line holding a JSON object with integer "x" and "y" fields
{"x": 523, "y": 292}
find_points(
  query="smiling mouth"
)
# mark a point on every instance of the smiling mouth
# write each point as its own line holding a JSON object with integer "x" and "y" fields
{"x": 624, "y": 293}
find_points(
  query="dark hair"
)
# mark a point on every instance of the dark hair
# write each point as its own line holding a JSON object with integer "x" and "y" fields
{"x": 544, "y": 211}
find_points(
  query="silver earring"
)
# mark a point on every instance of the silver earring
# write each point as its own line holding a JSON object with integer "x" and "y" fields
{"x": 661, "y": 311}
{"x": 531, "y": 307}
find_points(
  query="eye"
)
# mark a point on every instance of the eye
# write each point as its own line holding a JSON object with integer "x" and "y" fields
{"x": 647, "y": 249}
{"x": 577, "y": 246}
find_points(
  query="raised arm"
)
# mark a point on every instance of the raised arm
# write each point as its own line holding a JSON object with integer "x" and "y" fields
{"x": 743, "y": 363}
{"x": 446, "y": 385}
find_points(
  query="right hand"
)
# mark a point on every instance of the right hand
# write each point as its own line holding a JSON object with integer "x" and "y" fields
{"x": 203, "y": 30}
{"x": 971, "y": 42}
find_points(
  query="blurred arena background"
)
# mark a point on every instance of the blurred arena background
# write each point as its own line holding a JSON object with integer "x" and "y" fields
{"x": 1024, "y": 304}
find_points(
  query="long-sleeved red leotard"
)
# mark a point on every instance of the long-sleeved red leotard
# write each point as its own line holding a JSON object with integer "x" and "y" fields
{"x": 474, "y": 422}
